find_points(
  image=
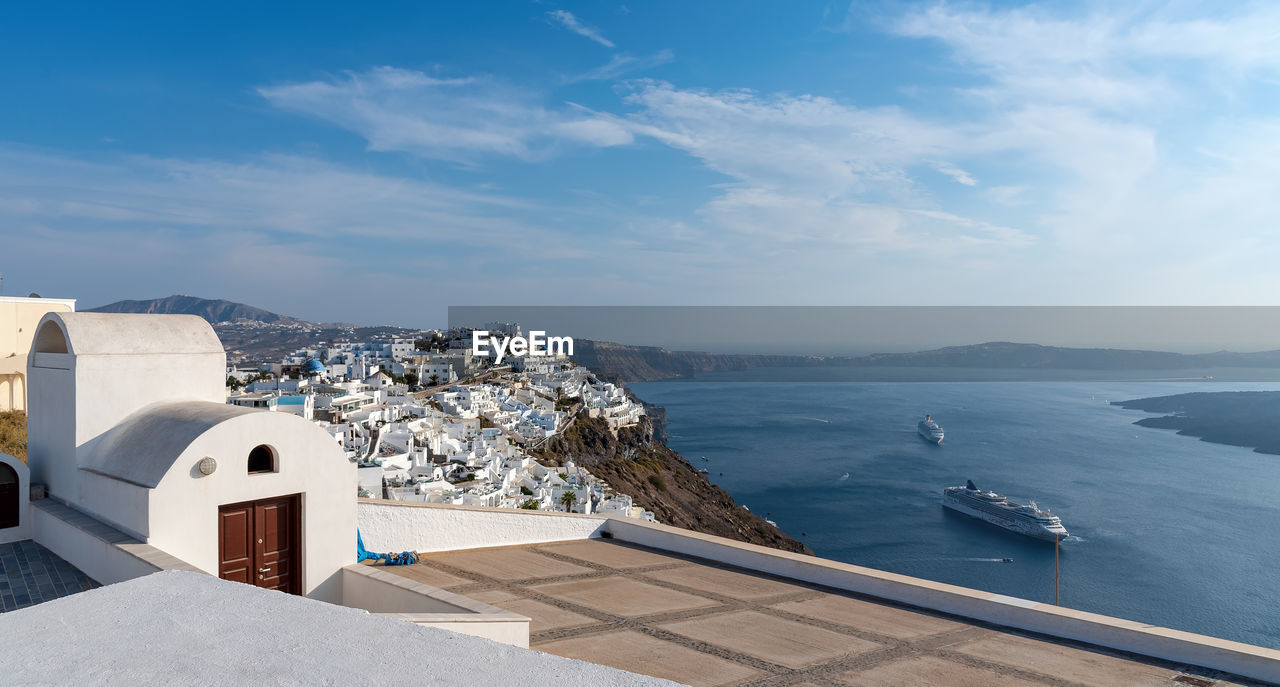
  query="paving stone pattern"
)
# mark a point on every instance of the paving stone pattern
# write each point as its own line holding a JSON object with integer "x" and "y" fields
{"x": 703, "y": 623}
{"x": 31, "y": 574}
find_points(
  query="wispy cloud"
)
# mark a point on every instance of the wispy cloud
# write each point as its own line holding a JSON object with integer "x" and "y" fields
{"x": 959, "y": 175}
{"x": 450, "y": 119}
{"x": 811, "y": 169}
{"x": 624, "y": 64}
{"x": 566, "y": 19}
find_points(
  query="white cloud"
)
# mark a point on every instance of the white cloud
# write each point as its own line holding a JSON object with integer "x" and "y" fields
{"x": 567, "y": 20}
{"x": 450, "y": 119}
{"x": 813, "y": 170}
{"x": 959, "y": 175}
{"x": 624, "y": 64}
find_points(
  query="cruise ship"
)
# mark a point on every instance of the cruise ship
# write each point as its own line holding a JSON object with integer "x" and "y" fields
{"x": 930, "y": 430}
{"x": 997, "y": 510}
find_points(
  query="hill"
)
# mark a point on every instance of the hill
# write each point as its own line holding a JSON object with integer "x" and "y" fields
{"x": 1235, "y": 418}
{"x": 647, "y": 363}
{"x": 213, "y": 311}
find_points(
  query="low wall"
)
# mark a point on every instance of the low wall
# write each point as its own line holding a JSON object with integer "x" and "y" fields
{"x": 385, "y": 593}
{"x": 393, "y": 526}
{"x": 104, "y": 554}
{"x": 1114, "y": 633}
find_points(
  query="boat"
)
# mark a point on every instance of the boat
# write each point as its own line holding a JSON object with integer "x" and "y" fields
{"x": 991, "y": 507}
{"x": 930, "y": 430}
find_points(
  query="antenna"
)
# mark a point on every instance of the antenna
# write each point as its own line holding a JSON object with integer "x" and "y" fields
{"x": 1, "y": 284}
{"x": 1055, "y": 569}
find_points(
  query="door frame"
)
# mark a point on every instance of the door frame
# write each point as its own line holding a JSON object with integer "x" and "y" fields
{"x": 295, "y": 533}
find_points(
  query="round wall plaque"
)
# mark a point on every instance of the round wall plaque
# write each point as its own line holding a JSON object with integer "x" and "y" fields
{"x": 207, "y": 465}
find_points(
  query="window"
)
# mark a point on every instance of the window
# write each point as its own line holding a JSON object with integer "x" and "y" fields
{"x": 262, "y": 459}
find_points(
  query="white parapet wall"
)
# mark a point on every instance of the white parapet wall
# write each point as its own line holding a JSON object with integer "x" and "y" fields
{"x": 378, "y": 591}
{"x": 104, "y": 554}
{"x": 393, "y": 526}
{"x": 1125, "y": 635}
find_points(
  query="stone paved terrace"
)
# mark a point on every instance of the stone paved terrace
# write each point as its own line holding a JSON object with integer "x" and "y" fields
{"x": 700, "y": 623}
{"x": 31, "y": 574}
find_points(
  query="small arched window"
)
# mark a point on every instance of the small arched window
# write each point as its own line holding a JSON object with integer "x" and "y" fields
{"x": 10, "y": 498}
{"x": 262, "y": 459}
{"x": 49, "y": 339}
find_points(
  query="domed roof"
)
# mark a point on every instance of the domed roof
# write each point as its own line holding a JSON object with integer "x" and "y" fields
{"x": 314, "y": 366}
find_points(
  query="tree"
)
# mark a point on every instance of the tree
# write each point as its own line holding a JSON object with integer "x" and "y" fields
{"x": 530, "y": 504}
{"x": 568, "y": 499}
{"x": 411, "y": 379}
{"x": 435, "y": 379}
{"x": 234, "y": 384}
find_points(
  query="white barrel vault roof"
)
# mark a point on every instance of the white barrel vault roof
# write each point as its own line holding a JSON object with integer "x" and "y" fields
{"x": 91, "y": 333}
{"x": 143, "y": 447}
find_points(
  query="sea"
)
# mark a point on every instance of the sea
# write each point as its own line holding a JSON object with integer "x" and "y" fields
{"x": 1165, "y": 529}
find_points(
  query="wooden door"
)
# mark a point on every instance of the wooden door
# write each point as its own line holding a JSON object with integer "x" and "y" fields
{"x": 259, "y": 543}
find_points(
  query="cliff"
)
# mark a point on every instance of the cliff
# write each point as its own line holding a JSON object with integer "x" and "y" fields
{"x": 635, "y": 462}
{"x": 620, "y": 362}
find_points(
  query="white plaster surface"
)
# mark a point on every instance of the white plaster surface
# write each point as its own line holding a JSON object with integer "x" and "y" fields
{"x": 116, "y": 364}
{"x": 189, "y": 629}
{"x": 422, "y": 527}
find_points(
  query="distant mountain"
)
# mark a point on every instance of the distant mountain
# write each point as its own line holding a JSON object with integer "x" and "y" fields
{"x": 647, "y": 363}
{"x": 1003, "y": 354}
{"x": 214, "y": 311}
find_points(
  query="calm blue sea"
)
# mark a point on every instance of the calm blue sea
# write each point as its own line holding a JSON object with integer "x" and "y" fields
{"x": 1166, "y": 529}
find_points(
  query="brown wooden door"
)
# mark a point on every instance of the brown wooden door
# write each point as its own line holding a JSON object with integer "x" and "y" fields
{"x": 259, "y": 543}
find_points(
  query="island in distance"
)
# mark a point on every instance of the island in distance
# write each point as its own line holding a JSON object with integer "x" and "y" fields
{"x": 1235, "y": 418}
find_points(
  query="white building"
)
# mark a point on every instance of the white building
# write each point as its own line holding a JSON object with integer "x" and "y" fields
{"x": 165, "y": 460}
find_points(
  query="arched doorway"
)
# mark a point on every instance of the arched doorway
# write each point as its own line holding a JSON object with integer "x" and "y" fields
{"x": 10, "y": 498}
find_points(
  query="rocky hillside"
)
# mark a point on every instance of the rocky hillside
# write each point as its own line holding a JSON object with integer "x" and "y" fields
{"x": 660, "y": 480}
{"x": 214, "y": 311}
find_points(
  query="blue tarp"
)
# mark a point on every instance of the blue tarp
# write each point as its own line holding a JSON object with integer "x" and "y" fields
{"x": 402, "y": 558}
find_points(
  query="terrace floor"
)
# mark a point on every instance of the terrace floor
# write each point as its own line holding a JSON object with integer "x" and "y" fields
{"x": 701, "y": 623}
{"x": 31, "y": 574}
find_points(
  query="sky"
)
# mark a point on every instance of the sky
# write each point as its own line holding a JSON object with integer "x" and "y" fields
{"x": 376, "y": 164}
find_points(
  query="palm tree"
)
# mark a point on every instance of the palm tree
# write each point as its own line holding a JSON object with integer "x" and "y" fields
{"x": 568, "y": 499}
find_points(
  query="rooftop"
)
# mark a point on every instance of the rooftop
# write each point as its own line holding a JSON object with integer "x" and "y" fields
{"x": 702, "y": 623}
{"x": 187, "y": 628}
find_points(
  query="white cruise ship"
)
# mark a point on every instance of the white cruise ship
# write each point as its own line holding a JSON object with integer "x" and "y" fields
{"x": 997, "y": 510}
{"x": 930, "y": 430}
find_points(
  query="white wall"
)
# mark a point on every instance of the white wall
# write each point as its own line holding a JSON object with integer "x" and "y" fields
{"x": 394, "y": 527}
{"x": 183, "y": 508}
{"x": 117, "y": 364}
{"x": 98, "y": 558}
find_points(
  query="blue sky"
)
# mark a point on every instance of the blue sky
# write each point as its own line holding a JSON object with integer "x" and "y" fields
{"x": 336, "y": 162}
